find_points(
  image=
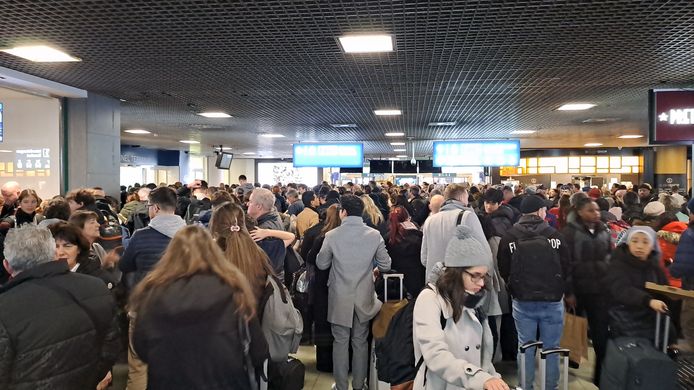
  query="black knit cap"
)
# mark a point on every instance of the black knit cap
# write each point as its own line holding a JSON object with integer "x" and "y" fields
{"x": 532, "y": 203}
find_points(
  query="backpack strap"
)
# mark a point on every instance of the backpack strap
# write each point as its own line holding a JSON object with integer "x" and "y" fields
{"x": 460, "y": 217}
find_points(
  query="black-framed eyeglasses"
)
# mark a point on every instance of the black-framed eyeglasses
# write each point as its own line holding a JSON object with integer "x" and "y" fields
{"x": 475, "y": 278}
{"x": 149, "y": 204}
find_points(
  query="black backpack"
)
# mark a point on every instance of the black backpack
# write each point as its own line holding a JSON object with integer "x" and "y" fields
{"x": 536, "y": 272}
{"x": 395, "y": 351}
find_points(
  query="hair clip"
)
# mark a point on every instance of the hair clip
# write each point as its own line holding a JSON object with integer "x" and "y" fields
{"x": 235, "y": 228}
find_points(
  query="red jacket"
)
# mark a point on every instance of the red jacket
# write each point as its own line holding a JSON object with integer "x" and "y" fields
{"x": 668, "y": 239}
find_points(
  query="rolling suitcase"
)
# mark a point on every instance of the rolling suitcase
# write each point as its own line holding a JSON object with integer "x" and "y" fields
{"x": 381, "y": 324}
{"x": 634, "y": 363}
{"x": 544, "y": 354}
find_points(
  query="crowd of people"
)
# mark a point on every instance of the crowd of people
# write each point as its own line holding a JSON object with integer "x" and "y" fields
{"x": 179, "y": 279}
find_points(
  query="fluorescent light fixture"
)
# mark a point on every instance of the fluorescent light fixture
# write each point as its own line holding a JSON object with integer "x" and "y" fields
{"x": 248, "y": 153}
{"x": 393, "y": 158}
{"x": 41, "y": 53}
{"x": 394, "y": 134}
{"x": 400, "y": 150}
{"x": 340, "y": 125}
{"x": 271, "y": 135}
{"x": 215, "y": 115}
{"x": 523, "y": 131}
{"x": 442, "y": 123}
{"x": 5, "y": 151}
{"x": 387, "y": 112}
{"x": 401, "y": 156}
{"x": 189, "y": 141}
{"x": 366, "y": 43}
{"x": 123, "y": 100}
{"x": 575, "y": 106}
{"x": 138, "y": 131}
{"x": 630, "y": 136}
{"x": 226, "y": 148}
{"x": 397, "y": 143}
{"x": 593, "y": 144}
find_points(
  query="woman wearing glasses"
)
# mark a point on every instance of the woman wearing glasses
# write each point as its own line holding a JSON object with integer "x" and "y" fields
{"x": 451, "y": 332}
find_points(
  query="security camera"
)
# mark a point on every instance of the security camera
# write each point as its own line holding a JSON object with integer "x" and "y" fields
{"x": 413, "y": 161}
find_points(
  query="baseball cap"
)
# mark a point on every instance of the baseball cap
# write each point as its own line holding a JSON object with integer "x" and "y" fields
{"x": 532, "y": 203}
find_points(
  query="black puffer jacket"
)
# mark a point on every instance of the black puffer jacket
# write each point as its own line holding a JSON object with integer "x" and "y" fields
{"x": 406, "y": 256}
{"x": 188, "y": 334}
{"x": 629, "y": 311}
{"x": 47, "y": 341}
{"x": 589, "y": 255}
{"x": 498, "y": 223}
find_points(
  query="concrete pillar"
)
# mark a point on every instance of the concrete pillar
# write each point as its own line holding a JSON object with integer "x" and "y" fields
{"x": 92, "y": 133}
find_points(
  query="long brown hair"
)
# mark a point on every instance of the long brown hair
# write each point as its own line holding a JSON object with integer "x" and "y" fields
{"x": 451, "y": 288}
{"x": 398, "y": 215}
{"x": 332, "y": 219}
{"x": 238, "y": 246}
{"x": 192, "y": 251}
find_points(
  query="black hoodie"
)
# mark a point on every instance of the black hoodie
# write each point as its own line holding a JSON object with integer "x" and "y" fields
{"x": 528, "y": 225}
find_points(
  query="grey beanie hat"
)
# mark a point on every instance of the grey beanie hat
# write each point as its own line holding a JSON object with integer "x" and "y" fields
{"x": 464, "y": 250}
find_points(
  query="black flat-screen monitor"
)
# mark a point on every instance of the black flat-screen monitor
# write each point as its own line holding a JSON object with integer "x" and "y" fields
{"x": 380, "y": 166}
{"x": 351, "y": 170}
{"x": 427, "y": 166}
{"x": 223, "y": 160}
{"x": 403, "y": 166}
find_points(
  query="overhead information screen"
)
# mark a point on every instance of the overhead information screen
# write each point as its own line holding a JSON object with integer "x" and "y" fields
{"x": 329, "y": 155}
{"x": 671, "y": 116}
{"x": 476, "y": 153}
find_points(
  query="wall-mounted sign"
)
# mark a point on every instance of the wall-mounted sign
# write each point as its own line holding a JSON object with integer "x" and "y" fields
{"x": 476, "y": 153}
{"x": 328, "y": 155}
{"x": 671, "y": 116}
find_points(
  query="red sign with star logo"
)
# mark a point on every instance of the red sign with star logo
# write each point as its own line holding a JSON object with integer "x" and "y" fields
{"x": 672, "y": 116}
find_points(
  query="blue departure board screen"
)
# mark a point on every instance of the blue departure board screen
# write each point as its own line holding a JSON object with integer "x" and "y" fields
{"x": 476, "y": 153}
{"x": 329, "y": 155}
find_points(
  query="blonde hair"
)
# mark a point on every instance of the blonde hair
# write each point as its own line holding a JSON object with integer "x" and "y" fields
{"x": 192, "y": 251}
{"x": 238, "y": 246}
{"x": 372, "y": 211}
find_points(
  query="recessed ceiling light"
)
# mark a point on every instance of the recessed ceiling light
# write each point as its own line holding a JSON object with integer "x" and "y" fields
{"x": 387, "y": 112}
{"x": 271, "y": 135}
{"x": 523, "y": 131}
{"x": 575, "y": 106}
{"x": 138, "y": 131}
{"x": 442, "y": 123}
{"x": 401, "y": 156}
{"x": 343, "y": 125}
{"x": 593, "y": 144}
{"x": 189, "y": 141}
{"x": 248, "y": 153}
{"x": 215, "y": 115}
{"x": 123, "y": 100}
{"x": 366, "y": 43}
{"x": 397, "y": 143}
{"x": 41, "y": 53}
{"x": 394, "y": 134}
{"x": 630, "y": 136}
{"x": 400, "y": 150}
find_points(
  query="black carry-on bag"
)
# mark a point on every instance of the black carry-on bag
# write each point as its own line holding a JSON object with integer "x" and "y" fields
{"x": 544, "y": 354}
{"x": 635, "y": 363}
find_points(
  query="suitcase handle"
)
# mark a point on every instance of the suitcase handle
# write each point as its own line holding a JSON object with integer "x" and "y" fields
{"x": 666, "y": 331}
{"x": 563, "y": 352}
{"x": 529, "y": 345}
{"x": 546, "y": 352}
{"x": 385, "y": 285}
